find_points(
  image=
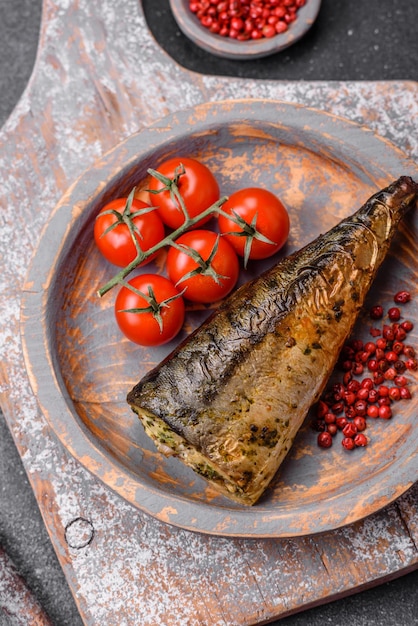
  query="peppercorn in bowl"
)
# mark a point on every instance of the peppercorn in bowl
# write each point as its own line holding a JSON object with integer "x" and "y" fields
{"x": 244, "y": 29}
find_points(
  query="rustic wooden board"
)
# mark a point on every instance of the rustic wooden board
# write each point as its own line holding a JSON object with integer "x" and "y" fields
{"x": 97, "y": 80}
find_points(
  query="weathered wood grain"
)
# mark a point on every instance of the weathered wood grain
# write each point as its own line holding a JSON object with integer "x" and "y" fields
{"x": 99, "y": 77}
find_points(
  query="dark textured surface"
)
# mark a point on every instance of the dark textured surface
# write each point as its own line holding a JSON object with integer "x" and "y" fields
{"x": 370, "y": 40}
{"x": 373, "y": 40}
{"x": 22, "y": 532}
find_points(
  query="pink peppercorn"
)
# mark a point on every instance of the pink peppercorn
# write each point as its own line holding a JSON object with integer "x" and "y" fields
{"x": 360, "y": 440}
{"x": 407, "y": 326}
{"x": 402, "y": 297}
{"x": 332, "y": 429}
{"x": 360, "y": 407}
{"x": 409, "y": 352}
{"x": 360, "y": 423}
{"x": 394, "y": 393}
{"x": 242, "y": 20}
{"x": 376, "y": 312}
{"x": 350, "y": 430}
{"x": 329, "y": 418}
{"x": 373, "y": 411}
{"x": 348, "y": 443}
{"x": 385, "y": 412}
{"x": 367, "y": 383}
{"x": 394, "y": 314}
{"x": 405, "y": 393}
{"x": 341, "y": 422}
{"x": 411, "y": 364}
{"x": 370, "y": 347}
{"x": 324, "y": 440}
{"x": 387, "y": 359}
{"x": 363, "y": 394}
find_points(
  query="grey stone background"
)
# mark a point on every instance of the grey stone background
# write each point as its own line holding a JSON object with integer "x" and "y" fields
{"x": 370, "y": 40}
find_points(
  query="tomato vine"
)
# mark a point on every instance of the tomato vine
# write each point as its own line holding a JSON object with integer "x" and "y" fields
{"x": 130, "y": 233}
{"x": 248, "y": 231}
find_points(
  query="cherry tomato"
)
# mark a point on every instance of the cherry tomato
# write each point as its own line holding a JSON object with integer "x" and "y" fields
{"x": 164, "y": 310}
{"x": 218, "y": 267}
{"x": 116, "y": 244}
{"x": 197, "y": 186}
{"x": 262, "y": 211}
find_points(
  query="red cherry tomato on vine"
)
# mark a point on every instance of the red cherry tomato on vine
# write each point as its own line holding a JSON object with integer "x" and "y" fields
{"x": 197, "y": 186}
{"x": 261, "y": 210}
{"x": 217, "y": 271}
{"x": 164, "y": 311}
{"x": 113, "y": 237}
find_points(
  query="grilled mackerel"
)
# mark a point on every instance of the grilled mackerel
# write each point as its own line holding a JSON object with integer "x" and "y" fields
{"x": 230, "y": 399}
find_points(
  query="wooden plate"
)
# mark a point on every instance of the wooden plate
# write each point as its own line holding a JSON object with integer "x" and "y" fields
{"x": 233, "y": 49}
{"x": 81, "y": 368}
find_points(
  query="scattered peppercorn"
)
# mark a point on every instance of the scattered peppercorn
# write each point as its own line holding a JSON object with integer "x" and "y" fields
{"x": 394, "y": 314}
{"x": 348, "y": 443}
{"x": 360, "y": 440}
{"x": 407, "y": 326}
{"x": 402, "y": 297}
{"x": 345, "y": 406}
{"x": 324, "y": 440}
{"x": 376, "y": 312}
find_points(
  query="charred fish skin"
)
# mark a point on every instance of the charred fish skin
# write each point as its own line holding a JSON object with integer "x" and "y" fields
{"x": 231, "y": 398}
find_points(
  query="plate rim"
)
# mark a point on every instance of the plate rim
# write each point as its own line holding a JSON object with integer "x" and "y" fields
{"x": 36, "y": 341}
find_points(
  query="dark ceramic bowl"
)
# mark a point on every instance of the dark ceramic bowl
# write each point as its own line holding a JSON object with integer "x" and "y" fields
{"x": 233, "y": 49}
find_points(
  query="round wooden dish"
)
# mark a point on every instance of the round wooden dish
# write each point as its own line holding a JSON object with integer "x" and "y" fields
{"x": 233, "y": 49}
{"x": 81, "y": 368}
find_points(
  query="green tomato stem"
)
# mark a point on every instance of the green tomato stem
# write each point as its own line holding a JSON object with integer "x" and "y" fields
{"x": 142, "y": 256}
